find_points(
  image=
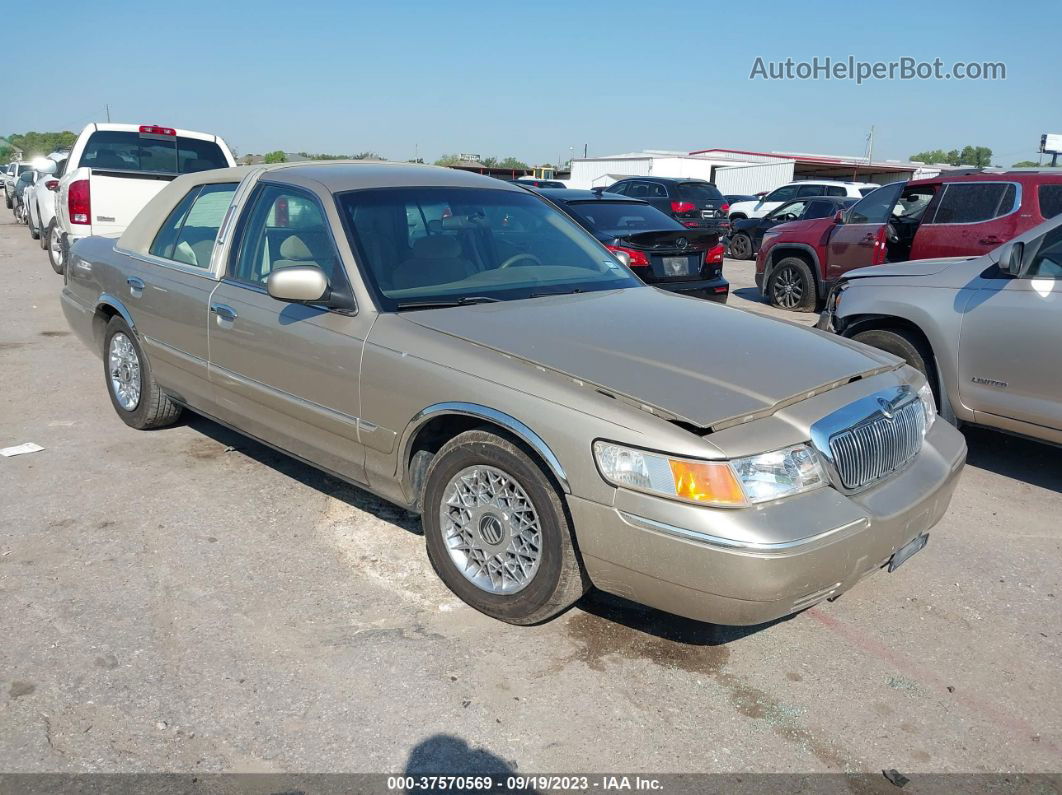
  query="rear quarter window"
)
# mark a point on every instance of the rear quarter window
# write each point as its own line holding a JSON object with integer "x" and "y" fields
{"x": 1050, "y": 200}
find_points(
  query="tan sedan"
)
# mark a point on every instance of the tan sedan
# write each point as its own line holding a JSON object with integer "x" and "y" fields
{"x": 459, "y": 346}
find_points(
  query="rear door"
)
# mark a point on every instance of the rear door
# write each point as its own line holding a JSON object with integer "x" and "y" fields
{"x": 1010, "y": 356}
{"x": 130, "y": 167}
{"x": 969, "y": 219}
{"x": 287, "y": 373}
{"x": 860, "y": 241}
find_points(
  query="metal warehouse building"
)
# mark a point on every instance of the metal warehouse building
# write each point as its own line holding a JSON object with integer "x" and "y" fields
{"x": 739, "y": 171}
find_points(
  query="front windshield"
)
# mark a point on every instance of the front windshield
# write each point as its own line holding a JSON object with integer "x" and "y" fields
{"x": 438, "y": 244}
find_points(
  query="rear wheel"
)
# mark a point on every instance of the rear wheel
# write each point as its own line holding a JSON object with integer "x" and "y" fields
{"x": 56, "y": 256}
{"x": 7, "y": 199}
{"x": 42, "y": 238}
{"x": 741, "y": 246}
{"x": 496, "y": 530}
{"x": 132, "y": 389}
{"x": 35, "y": 231}
{"x": 791, "y": 286}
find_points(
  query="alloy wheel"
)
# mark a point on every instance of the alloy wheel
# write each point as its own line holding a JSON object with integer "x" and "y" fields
{"x": 491, "y": 529}
{"x": 123, "y": 365}
{"x": 788, "y": 289}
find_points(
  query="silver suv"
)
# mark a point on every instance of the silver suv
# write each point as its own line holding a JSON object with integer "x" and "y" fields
{"x": 985, "y": 331}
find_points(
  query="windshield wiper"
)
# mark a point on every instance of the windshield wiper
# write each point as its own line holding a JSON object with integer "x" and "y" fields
{"x": 443, "y": 303}
{"x": 541, "y": 293}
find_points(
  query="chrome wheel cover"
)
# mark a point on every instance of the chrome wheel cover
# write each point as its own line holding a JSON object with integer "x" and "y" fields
{"x": 788, "y": 288}
{"x": 123, "y": 366}
{"x": 55, "y": 247}
{"x": 491, "y": 529}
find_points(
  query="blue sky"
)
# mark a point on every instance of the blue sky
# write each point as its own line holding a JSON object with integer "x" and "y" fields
{"x": 533, "y": 79}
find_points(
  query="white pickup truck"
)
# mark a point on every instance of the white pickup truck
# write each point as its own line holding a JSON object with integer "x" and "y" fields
{"x": 115, "y": 169}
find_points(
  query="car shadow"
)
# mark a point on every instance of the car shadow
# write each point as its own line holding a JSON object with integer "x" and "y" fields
{"x": 1015, "y": 457}
{"x": 304, "y": 473}
{"x": 750, "y": 294}
{"x": 649, "y": 622}
{"x": 447, "y": 755}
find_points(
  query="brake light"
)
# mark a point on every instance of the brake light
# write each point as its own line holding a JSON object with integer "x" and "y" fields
{"x": 51, "y": 184}
{"x": 79, "y": 202}
{"x": 682, "y": 207}
{"x": 152, "y": 129}
{"x": 638, "y": 258}
{"x": 725, "y": 208}
{"x": 714, "y": 255}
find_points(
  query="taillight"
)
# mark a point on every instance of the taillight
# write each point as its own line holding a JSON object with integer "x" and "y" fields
{"x": 714, "y": 255}
{"x": 683, "y": 207}
{"x": 153, "y": 129}
{"x": 79, "y": 202}
{"x": 638, "y": 258}
{"x": 725, "y": 208}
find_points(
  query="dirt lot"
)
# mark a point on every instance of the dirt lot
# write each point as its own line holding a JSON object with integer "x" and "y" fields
{"x": 187, "y": 600}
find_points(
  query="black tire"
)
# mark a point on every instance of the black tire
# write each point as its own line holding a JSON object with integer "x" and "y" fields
{"x": 42, "y": 238}
{"x": 35, "y": 232}
{"x": 741, "y": 246}
{"x": 791, "y": 286}
{"x": 56, "y": 250}
{"x": 153, "y": 409}
{"x": 7, "y": 199}
{"x": 909, "y": 346}
{"x": 559, "y": 580}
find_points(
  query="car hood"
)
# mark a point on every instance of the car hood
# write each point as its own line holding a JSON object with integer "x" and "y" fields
{"x": 683, "y": 358}
{"x": 918, "y": 267}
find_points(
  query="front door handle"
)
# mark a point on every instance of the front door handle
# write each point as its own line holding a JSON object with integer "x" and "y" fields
{"x": 136, "y": 286}
{"x": 226, "y": 313}
{"x": 991, "y": 240}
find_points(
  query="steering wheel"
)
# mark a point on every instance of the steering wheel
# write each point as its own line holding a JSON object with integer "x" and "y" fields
{"x": 517, "y": 257}
{"x": 891, "y": 235}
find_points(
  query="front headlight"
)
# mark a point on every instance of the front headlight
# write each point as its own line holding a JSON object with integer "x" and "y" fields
{"x": 734, "y": 483}
{"x": 929, "y": 404}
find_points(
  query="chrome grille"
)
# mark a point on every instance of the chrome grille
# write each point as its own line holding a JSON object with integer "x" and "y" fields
{"x": 878, "y": 445}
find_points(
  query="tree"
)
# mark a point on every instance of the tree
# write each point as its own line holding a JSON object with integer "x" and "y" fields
{"x": 275, "y": 157}
{"x": 447, "y": 160}
{"x": 247, "y": 160}
{"x": 368, "y": 156}
{"x": 489, "y": 162}
{"x": 513, "y": 164}
{"x": 979, "y": 156}
{"x": 1032, "y": 164}
{"x": 33, "y": 144}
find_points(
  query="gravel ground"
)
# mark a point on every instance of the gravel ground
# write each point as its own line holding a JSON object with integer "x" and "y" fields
{"x": 187, "y": 600}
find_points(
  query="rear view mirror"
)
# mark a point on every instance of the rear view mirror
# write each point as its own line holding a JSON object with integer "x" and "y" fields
{"x": 1010, "y": 257}
{"x": 300, "y": 284}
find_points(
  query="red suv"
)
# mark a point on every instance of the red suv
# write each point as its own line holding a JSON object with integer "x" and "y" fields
{"x": 947, "y": 216}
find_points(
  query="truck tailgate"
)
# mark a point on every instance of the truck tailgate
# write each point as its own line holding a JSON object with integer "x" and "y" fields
{"x": 117, "y": 196}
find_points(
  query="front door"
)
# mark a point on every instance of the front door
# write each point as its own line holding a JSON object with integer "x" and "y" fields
{"x": 860, "y": 240}
{"x": 1010, "y": 348}
{"x": 287, "y": 373}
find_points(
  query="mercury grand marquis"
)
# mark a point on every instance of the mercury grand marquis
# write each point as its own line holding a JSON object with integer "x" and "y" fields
{"x": 459, "y": 346}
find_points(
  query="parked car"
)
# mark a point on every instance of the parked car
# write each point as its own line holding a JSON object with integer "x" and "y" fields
{"x": 538, "y": 183}
{"x": 984, "y": 331}
{"x": 747, "y": 233}
{"x": 659, "y": 249}
{"x": 11, "y": 175}
{"x": 800, "y": 190}
{"x": 945, "y": 216}
{"x": 24, "y": 181}
{"x": 734, "y": 198}
{"x": 115, "y": 169}
{"x": 555, "y": 422}
{"x": 694, "y": 203}
{"x": 41, "y": 207}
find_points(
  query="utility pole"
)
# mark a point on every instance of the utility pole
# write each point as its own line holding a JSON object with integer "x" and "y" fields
{"x": 108, "y": 107}
{"x": 584, "y": 151}
{"x": 870, "y": 145}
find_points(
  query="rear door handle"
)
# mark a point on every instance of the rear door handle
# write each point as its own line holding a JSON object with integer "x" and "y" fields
{"x": 136, "y": 286}
{"x": 223, "y": 312}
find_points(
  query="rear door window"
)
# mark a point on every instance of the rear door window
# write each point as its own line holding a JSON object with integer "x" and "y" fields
{"x": 813, "y": 190}
{"x": 125, "y": 150}
{"x": 972, "y": 202}
{"x": 189, "y": 232}
{"x": 1050, "y": 200}
{"x": 657, "y": 191}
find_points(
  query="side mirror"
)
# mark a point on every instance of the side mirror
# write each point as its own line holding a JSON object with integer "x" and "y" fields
{"x": 299, "y": 284}
{"x": 1010, "y": 257}
{"x": 47, "y": 166}
{"x": 838, "y": 217}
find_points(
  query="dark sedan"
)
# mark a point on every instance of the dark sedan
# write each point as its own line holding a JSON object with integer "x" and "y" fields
{"x": 747, "y": 233}
{"x": 659, "y": 249}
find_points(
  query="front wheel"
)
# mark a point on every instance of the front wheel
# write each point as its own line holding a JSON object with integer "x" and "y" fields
{"x": 791, "y": 286}
{"x": 741, "y": 246}
{"x": 497, "y": 531}
{"x": 35, "y": 232}
{"x": 132, "y": 389}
